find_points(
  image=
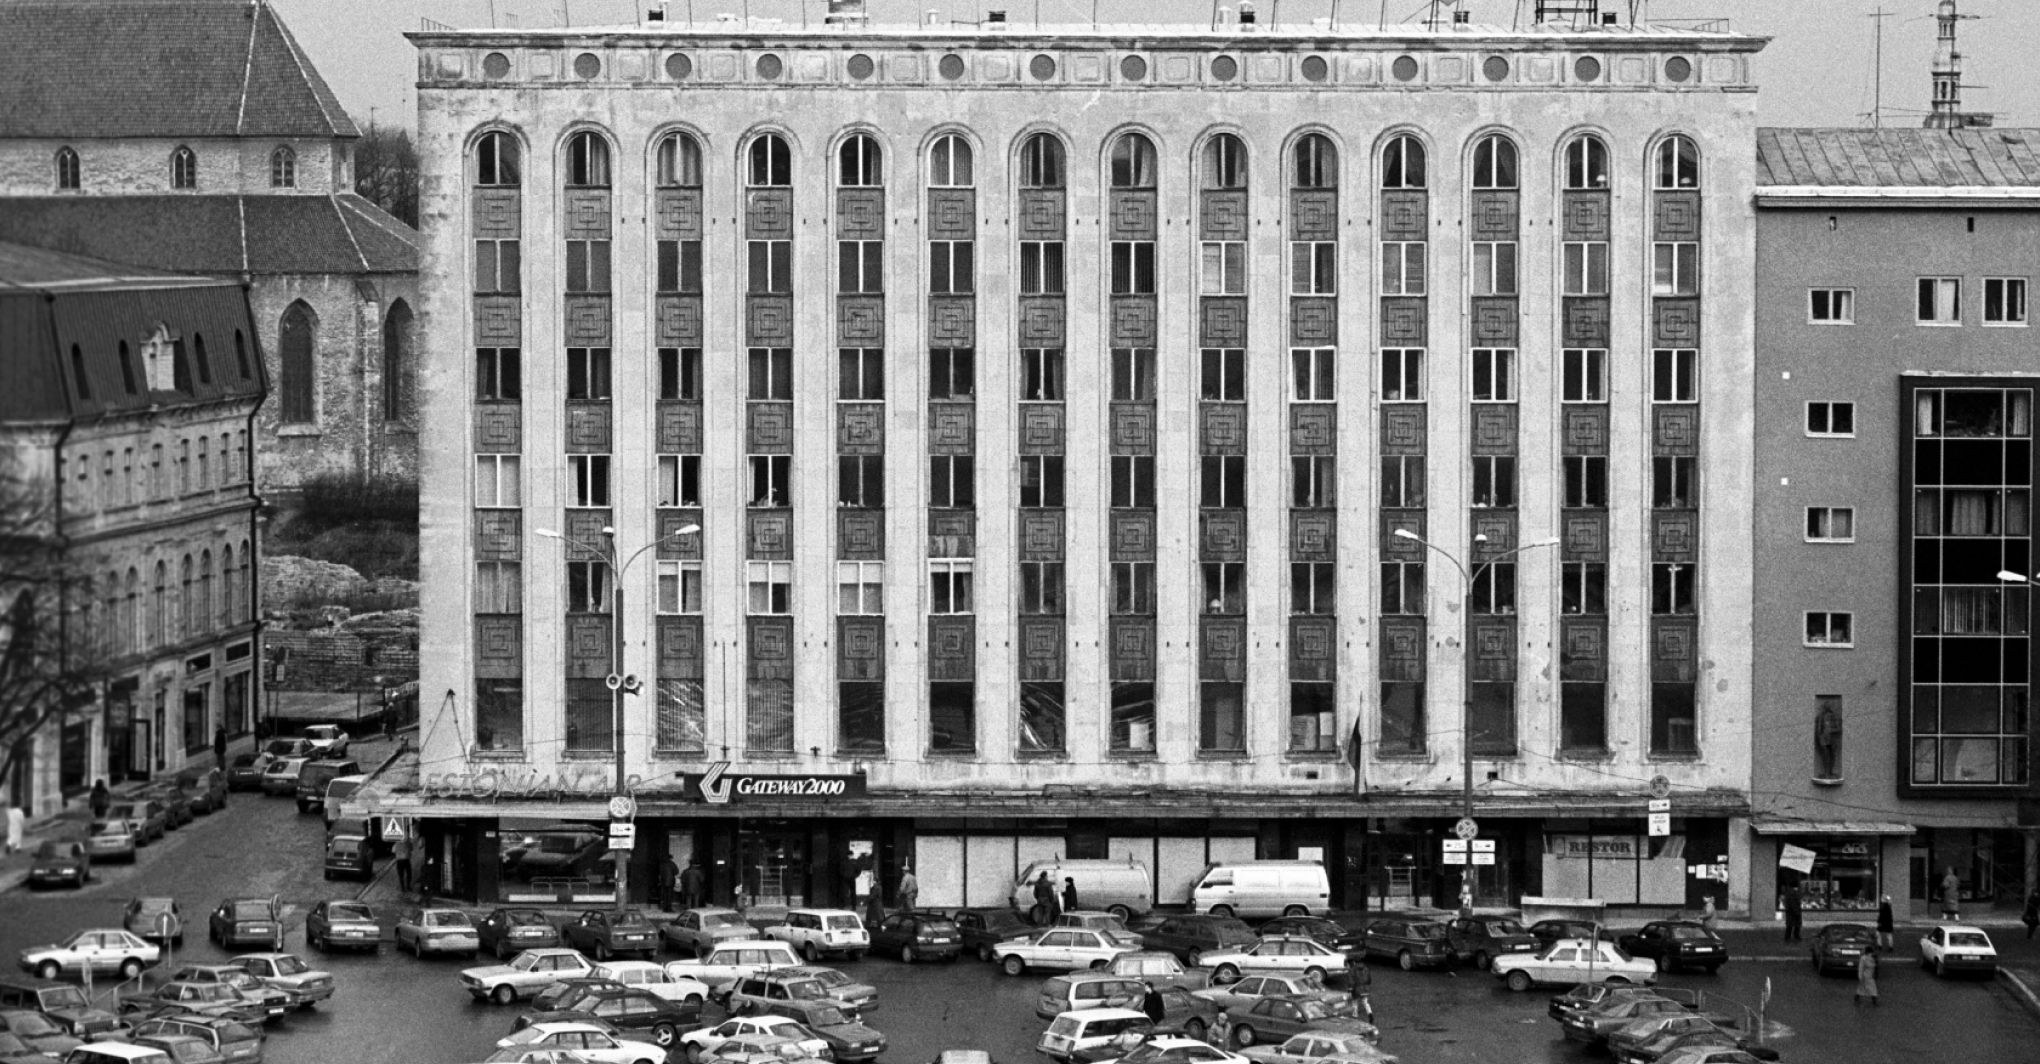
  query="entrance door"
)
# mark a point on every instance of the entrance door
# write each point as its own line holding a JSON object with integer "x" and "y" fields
{"x": 773, "y": 865}
{"x": 140, "y": 745}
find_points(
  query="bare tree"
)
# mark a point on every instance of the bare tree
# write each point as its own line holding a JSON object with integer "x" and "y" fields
{"x": 386, "y": 172}
{"x": 46, "y": 668}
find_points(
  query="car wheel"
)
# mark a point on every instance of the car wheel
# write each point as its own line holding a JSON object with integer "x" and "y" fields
{"x": 1295, "y": 910}
{"x": 906, "y": 955}
{"x": 130, "y": 968}
{"x": 1481, "y": 961}
{"x": 1013, "y": 965}
{"x": 1519, "y": 981}
{"x": 1193, "y": 1028}
{"x": 1122, "y": 912}
{"x": 1221, "y": 910}
{"x": 1407, "y": 962}
{"x": 663, "y": 1034}
{"x": 49, "y": 970}
{"x": 1315, "y": 975}
{"x": 1244, "y": 1035}
{"x": 1664, "y": 963}
{"x": 808, "y": 950}
{"x": 1225, "y": 973}
{"x": 503, "y": 994}
{"x": 985, "y": 954}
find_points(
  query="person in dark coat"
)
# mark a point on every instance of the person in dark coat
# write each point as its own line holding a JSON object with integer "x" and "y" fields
{"x": 1886, "y": 924}
{"x": 101, "y": 801}
{"x": 691, "y": 882}
{"x": 1151, "y": 1004}
{"x": 1866, "y": 976}
{"x": 669, "y": 876}
{"x": 1360, "y": 983}
{"x": 219, "y": 747}
{"x": 2031, "y": 917}
{"x": 1069, "y": 896}
{"x": 1792, "y": 914}
{"x": 1044, "y": 899}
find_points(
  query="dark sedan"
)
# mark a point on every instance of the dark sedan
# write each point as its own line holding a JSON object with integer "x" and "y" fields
{"x": 1276, "y": 1018}
{"x": 917, "y": 936}
{"x": 1677, "y": 944}
{"x": 37, "y": 1031}
{"x": 15, "y": 1051}
{"x": 157, "y": 919}
{"x": 630, "y": 1011}
{"x": 1595, "y": 1023}
{"x": 1411, "y": 944}
{"x": 603, "y": 934}
{"x": 1192, "y": 935}
{"x": 343, "y": 925}
{"x": 1479, "y": 940}
{"x": 1838, "y": 946}
{"x": 983, "y": 929}
{"x": 251, "y": 923}
{"x": 205, "y": 999}
{"x": 60, "y": 864}
{"x": 509, "y": 931}
{"x": 848, "y": 1037}
{"x": 244, "y": 773}
{"x": 1316, "y": 928}
{"x": 1548, "y": 931}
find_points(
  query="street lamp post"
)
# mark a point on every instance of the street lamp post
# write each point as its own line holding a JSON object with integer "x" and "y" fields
{"x": 620, "y": 682}
{"x": 1467, "y": 578}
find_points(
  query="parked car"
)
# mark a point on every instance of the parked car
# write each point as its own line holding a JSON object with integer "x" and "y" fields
{"x": 244, "y": 773}
{"x": 1411, "y": 944}
{"x": 176, "y": 804}
{"x": 1572, "y": 961}
{"x": 588, "y": 1041}
{"x": 916, "y": 936}
{"x": 813, "y": 980}
{"x": 848, "y": 1036}
{"x": 1273, "y": 1019}
{"x": 205, "y": 788}
{"x": 182, "y": 1048}
{"x": 63, "y": 1003}
{"x": 528, "y": 973}
{"x": 553, "y": 854}
{"x": 1675, "y": 944}
{"x": 730, "y": 961}
{"x": 1098, "y": 920}
{"x": 1087, "y": 990}
{"x": 1280, "y": 955}
{"x": 653, "y": 978}
{"x": 1059, "y": 949}
{"x": 145, "y": 817}
{"x": 234, "y": 1041}
{"x": 1584, "y": 996}
{"x": 1164, "y": 1049}
{"x": 349, "y": 855}
{"x": 99, "y": 949}
{"x": 701, "y": 1043}
{"x": 816, "y": 933}
{"x": 1957, "y": 948}
{"x": 1711, "y": 1055}
{"x": 1645, "y": 1041}
{"x": 627, "y": 1011}
{"x": 1158, "y": 967}
{"x": 1082, "y": 1029}
{"x": 1478, "y": 940}
{"x": 437, "y": 931}
{"x": 279, "y": 777}
{"x": 37, "y": 1031}
{"x": 205, "y": 999}
{"x": 326, "y": 740}
{"x": 158, "y": 919}
{"x": 316, "y": 775}
{"x": 117, "y": 1053}
{"x": 758, "y": 1048}
{"x": 605, "y": 933}
{"x": 281, "y": 748}
{"x": 1191, "y": 935}
{"x": 983, "y": 929}
{"x": 306, "y": 985}
{"x": 506, "y": 931}
{"x": 1183, "y": 1011}
{"x": 1319, "y": 928}
{"x": 240, "y": 923}
{"x": 1320, "y": 1047}
{"x": 563, "y": 994}
{"x": 343, "y": 925}
{"x": 274, "y": 1002}
{"x": 1595, "y": 1023}
{"x": 59, "y": 864}
{"x": 111, "y": 840}
{"x": 700, "y": 930}
{"x": 1840, "y": 945}
{"x": 338, "y": 790}
{"x": 1549, "y": 931}
{"x": 1247, "y": 991}
{"x": 15, "y": 1051}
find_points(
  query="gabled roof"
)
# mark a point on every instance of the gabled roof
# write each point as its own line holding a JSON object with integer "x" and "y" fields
{"x": 96, "y": 69}
{"x": 224, "y": 235}
{"x": 1898, "y": 158}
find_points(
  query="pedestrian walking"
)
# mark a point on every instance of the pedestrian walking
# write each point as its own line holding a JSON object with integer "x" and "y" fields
{"x": 910, "y": 888}
{"x": 2031, "y": 917}
{"x": 691, "y": 882}
{"x": 1792, "y": 914}
{"x": 874, "y": 908}
{"x": 101, "y": 800}
{"x": 1951, "y": 895}
{"x": 1866, "y": 977}
{"x": 1151, "y": 1004}
{"x": 1360, "y": 983}
{"x": 1707, "y": 913}
{"x": 1044, "y": 899}
{"x": 669, "y": 876}
{"x": 219, "y": 747}
{"x": 1886, "y": 924}
{"x": 17, "y": 828}
{"x": 1069, "y": 895}
{"x": 1220, "y": 1034}
{"x": 400, "y": 855}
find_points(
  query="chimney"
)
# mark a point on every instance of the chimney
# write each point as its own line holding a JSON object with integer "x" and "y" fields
{"x": 846, "y": 14}
{"x": 1247, "y": 16}
{"x": 657, "y": 14}
{"x": 995, "y": 22}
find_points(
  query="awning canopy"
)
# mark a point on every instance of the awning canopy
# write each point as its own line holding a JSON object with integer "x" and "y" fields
{"x": 1830, "y": 827}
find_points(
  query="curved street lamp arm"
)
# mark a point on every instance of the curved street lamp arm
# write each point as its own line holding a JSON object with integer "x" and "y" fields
{"x": 1464, "y": 576}
{"x": 599, "y": 552}
{"x": 685, "y": 530}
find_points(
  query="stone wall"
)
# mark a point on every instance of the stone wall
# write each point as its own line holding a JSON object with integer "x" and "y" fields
{"x": 348, "y": 434}
{"x": 139, "y": 166}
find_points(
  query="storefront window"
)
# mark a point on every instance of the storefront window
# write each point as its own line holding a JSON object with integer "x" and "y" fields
{"x": 547, "y": 861}
{"x": 1833, "y": 873}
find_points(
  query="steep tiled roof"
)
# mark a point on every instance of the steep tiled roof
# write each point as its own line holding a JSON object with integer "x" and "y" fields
{"x": 226, "y": 235}
{"x": 1899, "y": 158}
{"x": 95, "y": 69}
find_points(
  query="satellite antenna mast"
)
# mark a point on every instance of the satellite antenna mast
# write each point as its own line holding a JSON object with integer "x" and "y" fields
{"x": 1877, "y": 18}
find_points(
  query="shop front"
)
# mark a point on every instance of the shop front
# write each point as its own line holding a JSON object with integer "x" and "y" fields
{"x": 1844, "y": 867}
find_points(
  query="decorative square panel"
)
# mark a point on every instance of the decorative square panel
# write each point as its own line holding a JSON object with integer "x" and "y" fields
{"x": 1313, "y": 321}
{"x": 952, "y": 428}
{"x": 1402, "y": 648}
{"x": 1499, "y": 526}
{"x": 1133, "y": 535}
{"x": 1583, "y": 535}
{"x": 1586, "y": 215}
{"x": 1041, "y": 428}
{"x": 588, "y": 646}
{"x": 1313, "y": 428}
{"x": 768, "y": 428}
{"x": 499, "y": 535}
{"x": 588, "y": 428}
{"x": 1402, "y": 428}
{"x": 499, "y": 428}
{"x": 1222, "y": 321}
{"x": 679, "y": 426}
{"x": 1583, "y": 429}
{"x": 1133, "y": 428}
{"x": 860, "y": 648}
{"x": 1675, "y": 429}
{"x": 1222, "y": 428}
{"x": 499, "y": 647}
{"x": 952, "y": 648}
{"x": 1583, "y": 650}
{"x": 1494, "y": 216}
{"x": 1222, "y": 649}
{"x": 1314, "y": 214}
{"x": 952, "y": 214}
{"x": 1675, "y": 322}
{"x": 768, "y": 214}
{"x": 769, "y": 648}
{"x": 1314, "y": 648}
{"x": 860, "y": 321}
{"x": 1133, "y": 214}
{"x": 1040, "y": 216}
{"x": 768, "y": 321}
{"x": 679, "y": 214}
{"x": 586, "y": 214}
{"x": 1405, "y": 321}
{"x": 674, "y": 544}
{"x": 1494, "y": 649}
{"x": 1674, "y": 535}
{"x": 1396, "y": 547}
{"x": 1405, "y": 215}
{"x": 587, "y": 323}
{"x": 1586, "y": 321}
{"x": 1313, "y": 535}
{"x": 860, "y": 535}
{"x": 1494, "y": 428}
{"x": 1041, "y": 646}
{"x": 860, "y": 213}
{"x": 1675, "y": 215}
{"x": 768, "y": 535}
{"x": 498, "y": 322}
{"x": 679, "y": 321}
{"x": 952, "y": 534}
{"x": 952, "y": 321}
{"x": 585, "y": 526}
{"x": 1133, "y": 648}
{"x": 1041, "y": 321}
{"x": 680, "y": 656}
{"x": 860, "y": 428}
{"x": 1673, "y": 644}
{"x": 1224, "y": 215}
{"x": 1133, "y": 321}
{"x": 1222, "y": 535}
{"x": 498, "y": 213}
{"x": 1494, "y": 321}
{"x": 1041, "y": 535}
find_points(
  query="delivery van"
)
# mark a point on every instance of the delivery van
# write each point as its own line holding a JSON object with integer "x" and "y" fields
{"x": 1122, "y": 888}
{"x": 1263, "y": 888}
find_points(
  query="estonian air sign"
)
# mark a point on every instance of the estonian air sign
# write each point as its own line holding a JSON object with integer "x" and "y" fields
{"x": 719, "y": 786}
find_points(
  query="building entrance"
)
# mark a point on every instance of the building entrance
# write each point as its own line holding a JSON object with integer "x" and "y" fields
{"x": 772, "y": 864}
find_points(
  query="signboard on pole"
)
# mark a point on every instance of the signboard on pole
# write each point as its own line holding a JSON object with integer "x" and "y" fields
{"x": 1660, "y": 824}
{"x": 1454, "y": 852}
{"x": 1660, "y": 805}
{"x": 622, "y": 835}
{"x": 1483, "y": 851}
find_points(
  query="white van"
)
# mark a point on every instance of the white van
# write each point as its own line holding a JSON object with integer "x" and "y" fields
{"x": 1122, "y": 888}
{"x": 1263, "y": 888}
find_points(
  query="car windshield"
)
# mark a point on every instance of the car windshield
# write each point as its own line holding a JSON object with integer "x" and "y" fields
{"x": 236, "y": 1032}
{"x": 447, "y": 919}
{"x": 831, "y": 978}
{"x": 1143, "y": 1055}
{"x": 64, "y": 997}
{"x": 526, "y": 1036}
{"x": 524, "y": 918}
{"x": 288, "y": 964}
{"x": 1972, "y": 939}
{"x": 31, "y": 1025}
{"x": 1065, "y": 1026}
{"x": 237, "y": 977}
{"x": 109, "y": 827}
{"x": 1505, "y": 927}
{"x": 248, "y": 910}
{"x": 52, "y": 850}
{"x": 1691, "y": 933}
{"x": 807, "y": 990}
{"x": 1427, "y": 930}
{"x": 724, "y": 920}
{"x": 348, "y": 911}
{"x": 524, "y": 962}
{"x": 1312, "y": 1009}
{"x": 152, "y": 906}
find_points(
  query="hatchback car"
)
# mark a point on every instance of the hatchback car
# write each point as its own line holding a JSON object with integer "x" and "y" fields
{"x": 1280, "y": 955}
{"x": 1840, "y": 946}
{"x": 146, "y": 817}
{"x": 1949, "y": 949}
{"x": 505, "y": 932}
{"x": 819, "y": 932}
{"x": 699, "y": 930}
{"x": 317, "y": 775}
{"x": 1411, "y": 944}
{"x": 206, "y": 789}
{"x": 983, "y": 929}
{"x": 436, "y": 931}
{"x": 157, "y": 919}
{"x": 287, "y": 972}
{"x": 1675, "y": 944}
{"x": 241, "y": 923}
{"x": 244, "y": 773}
{"x": 343, "y": 925}
{"x": 1191, "y": 935}
{"x": 98, "y": 949}
{"x": 603, "y": 934}
{"x": 111, "y": 840}
{"x": 279, "y": 778}
{"x": 1088, "y": 990}
{"x": 349, "y": 855}
{"x": 59, "y": 864}
{"x": 174, "y": 800}
{"x": 1478, "y": 940}
{"x": 917, "y": 936}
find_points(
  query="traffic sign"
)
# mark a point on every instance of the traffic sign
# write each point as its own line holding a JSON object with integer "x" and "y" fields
{"x": 1455, "y": 845}
{"x": 1452, "y": 858}
{"x": 622, "y": 835}
{"x": 1660, "y": 787}
{"x": 1483, "y": 845}
{"x": 1484, "y": 857}
{"x": 1660, "y": 824}
{"x": 1466, "y": 828}
{"x": 1660, "y": 805}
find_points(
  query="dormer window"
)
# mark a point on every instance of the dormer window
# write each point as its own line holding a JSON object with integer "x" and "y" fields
{"x": 163, "y": 360}
{"x": 183, "y": 168}
{"x": 67, "y": 170}
{"x": 283, "y": 168}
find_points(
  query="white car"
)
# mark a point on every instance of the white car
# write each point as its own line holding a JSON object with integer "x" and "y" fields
{"x": 1957, "y": 948}
{"x": 437, "y": 931}
{"x": 817, "y": 932}
{"x": 654, "y": 979}
{"x": 699, "y": 1043}
{"x": 1059, "y": 948}
{"x": 327, "y": 740}
{"x": 731, "y": 961}
{"x": 289, "y": 973}
{"x": 1172, "y": 1050}
{"x": 592, "y": 1042}
{"x": 1318, "y": 1047}
{"x": 1571, "y": 961}
{"x": 1280, "y": 954}
{"x": 527, "y": 973}
{"x": 101, "y": 950}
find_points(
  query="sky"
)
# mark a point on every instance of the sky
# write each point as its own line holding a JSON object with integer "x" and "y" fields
{"x": 1818, "y": 70}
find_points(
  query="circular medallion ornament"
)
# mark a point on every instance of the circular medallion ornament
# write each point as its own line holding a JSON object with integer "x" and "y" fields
{"x": 587, "y": 65}
{"x": 1133, "y": 68}
{"x": 1495, "y": 68}
{"x": 1225, "y": 68}
{"x": 1587, "y": 68}
{"x": 1042, "y": 67}
{"x": 861, "y": 67}
{"x": 770, "y": 67}
{"x": 679, "y": 67}
{"x": 495, "y": 65}
{"x": 1678, "y": 68}
{"x": 1404, "y": 68}
{"x": 1315, "y": 68}
{"x": 951, "y": 66}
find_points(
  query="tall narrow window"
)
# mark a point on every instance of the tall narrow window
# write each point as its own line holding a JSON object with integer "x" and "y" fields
{"x": 1494, "y": 375}
{"x": 1940, "y": 301}
{"x": 295, "y": 341}
{"x": 679, "y": 161}
{"x": 67, "y": 170}
{"x": 587, "y": 161}
{"x": 1225, "y": 163}
{"x": 1678, "y": 164}
{"x": 1402, "y": 163}
{"x": 1041, "y": 162}
{"x": 1317, "y": 162}
{"x": 1586, "y": 375}
{"x": 283, "y": 168}
{"x": 1402, "y": 375}
{"x": 1133, "y": 162}
{"x": 771, "y": 163}
{"x": 1494, "y": 163}
{"x": 183, "y": 168}
{"x": 949, "y": 163}
{"x": 80, "y": 381}
{"x": 1586, "y": 163}
{"x": 497, "y": 161}
{"x": 396, "y": 367}
{"x": 860, "y": 163}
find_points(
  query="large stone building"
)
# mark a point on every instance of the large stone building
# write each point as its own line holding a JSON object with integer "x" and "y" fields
{"x": 125, "y": 424}
{"x": 196, "y": 136}
{"x": 1037, "y": 439}
{"x": 1894, "y": 484}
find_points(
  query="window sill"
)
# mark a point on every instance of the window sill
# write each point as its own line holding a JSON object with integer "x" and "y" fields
{"x": 1310, "y": 755}
{"x": 501, "y": 757}
{"x": 1686, "y": 755}
{"x": 1406, "y": 756}
{"x": 1827, "y": 781}
{"x": 1511, "y": 754}
{"x": 1133, "y": 755}
{"x": 1224, "y": 755}
{"x": 952, "y": 755}
{"x": 1829, "y": 646}
{"x": 770, "y": 755}
{"x": 679, "y": 755}
{"x": 298, "y": 430}
{"x": 587, "y": 755}
{"x": 1586, "y": 754}
{"x": 876, "y": 753}
{"x": 1042, "y": 755}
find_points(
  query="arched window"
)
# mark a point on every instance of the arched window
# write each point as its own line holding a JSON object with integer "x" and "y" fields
{"x": 240, "y": 356}
{"x": 396, "y": 361}
{"x": 159, "y": 606}
{"x": 771, "y": 162}
{"x": 204, "y": 361}
{"x": 859, "y": 163}
{"x": 295, "y": 343}
{"x": 1678, "y": 163}
{"x": 1586, "y": 163}
{"x": 127, "y": 367}
{"x": 243, "y": 614}
{"x": 1133, "y": 161}
{"x": 131, "y": 611}
{"x": 1041, "y": 162}
{"x": 183, "y": 168}
{"x": 587, "y": 161}
{"x": 1494, "y": 162}
{"x": 949, "y": 163}
{"x": 1225, "y": 162}
{"x": 679, "y": 161}
{"x": 67, "y": 169}
{"x": 228, "y": 595}
{"x": 496, "y": 160}
{"x": 1402, "y": 163}
{"x": 187, "y": 613}
{"x": 1317, "y": 162}
{"x": 283, "y": 168}
{"x": 208, "y": 616}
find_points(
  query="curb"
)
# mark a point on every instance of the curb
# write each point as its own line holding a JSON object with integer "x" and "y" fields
{"x": 2019, "y": 987}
